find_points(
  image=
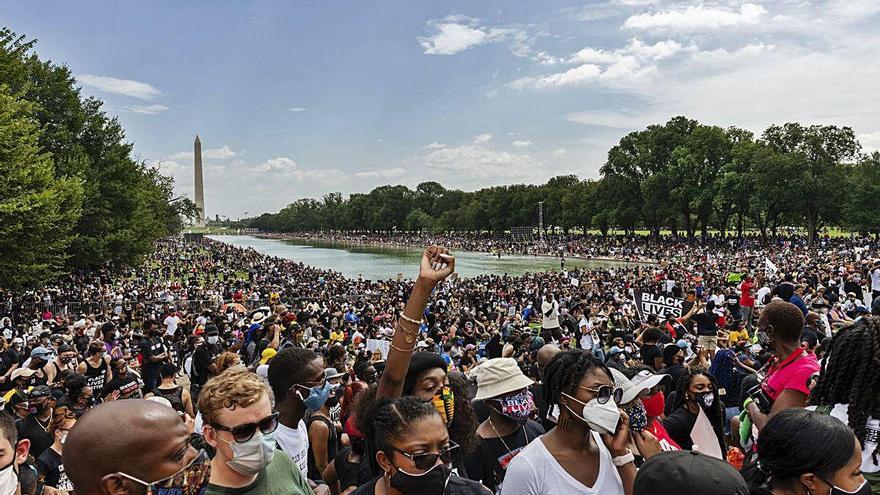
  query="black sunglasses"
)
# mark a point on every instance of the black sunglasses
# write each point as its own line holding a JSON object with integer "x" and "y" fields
{"x": 605, "y": 392}
{"x": 243, "y": 433}
{"x": 427, "y": 460}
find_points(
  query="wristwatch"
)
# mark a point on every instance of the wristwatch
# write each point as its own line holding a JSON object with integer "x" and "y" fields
{"x": 624, "y": 459}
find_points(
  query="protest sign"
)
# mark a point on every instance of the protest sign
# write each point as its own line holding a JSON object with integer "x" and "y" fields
{"x": 381, "y": 345}
{"x": 660, "y": 305}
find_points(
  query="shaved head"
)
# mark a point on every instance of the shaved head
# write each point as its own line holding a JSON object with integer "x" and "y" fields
{"x": 138, "y": 437}
{"x": 545, "y": 355}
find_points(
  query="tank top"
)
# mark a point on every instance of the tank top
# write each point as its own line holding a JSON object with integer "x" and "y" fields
{"x": 174, "y": 396}
{"x": 95, "y": 377}
{"x": 331, "y": 446}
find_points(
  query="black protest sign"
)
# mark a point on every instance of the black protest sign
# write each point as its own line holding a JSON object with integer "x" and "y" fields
{"x": 660, "y": 304}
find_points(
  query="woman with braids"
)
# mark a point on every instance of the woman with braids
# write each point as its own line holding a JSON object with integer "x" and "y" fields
{"x": 805, "y": 453}
{"x": 412, "y": 449}
{"x": 696, "y": 389}
{"x": 786, "y": 384}
{"x": 849, "y": 388}
{"x": 424, "y": 374}
{"x": 586, "y": 452}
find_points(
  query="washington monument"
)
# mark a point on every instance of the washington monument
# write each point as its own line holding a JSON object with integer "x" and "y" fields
{"x": 200, "y": 185}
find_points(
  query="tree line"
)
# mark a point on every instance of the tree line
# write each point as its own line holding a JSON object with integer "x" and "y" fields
{"x": 682, "y": 176}
{"x": 71, "y": 194}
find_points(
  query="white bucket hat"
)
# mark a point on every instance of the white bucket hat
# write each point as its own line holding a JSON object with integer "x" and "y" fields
{"x": 499, "y": 376}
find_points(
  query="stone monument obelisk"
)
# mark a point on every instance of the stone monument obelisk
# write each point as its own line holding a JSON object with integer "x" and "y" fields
{"x": 200, "y": 185}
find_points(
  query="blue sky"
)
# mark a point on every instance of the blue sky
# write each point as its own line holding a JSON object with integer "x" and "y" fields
{"x": 296, "y": 99}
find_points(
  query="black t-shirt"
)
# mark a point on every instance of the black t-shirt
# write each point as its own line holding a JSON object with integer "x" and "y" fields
{"x": 649, "y": 352}
{"x": 706, "y": 324}
{"x": 466, "y": 361}
{"x": 489, "y": 461}
{"x": 203, "y": 356}
{"x": 128, "y": 387}
{"x": 149, "y": 348}
{"x": 351, "y": 473}
{"x": 50, "y": 468}
{"x": 30, "y": 428}
{"x": 332, "y": 446}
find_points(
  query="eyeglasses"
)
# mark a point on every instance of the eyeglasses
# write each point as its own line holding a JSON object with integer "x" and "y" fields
{"x": 243, "y": 433}
{"x": 427, "y": 460}
{"x": 605, "y": 392}
{"x": 192, "y": 475}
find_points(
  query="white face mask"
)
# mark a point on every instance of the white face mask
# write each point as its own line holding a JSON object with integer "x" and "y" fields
{"x": 601, "y": 418}
{"x": 251, "y": 457}
{"x": 9, "y": 479}
{"x": 212, "y": 339}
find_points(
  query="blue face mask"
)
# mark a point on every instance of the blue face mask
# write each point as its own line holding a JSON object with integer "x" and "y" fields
{"x": 317, "y": 396}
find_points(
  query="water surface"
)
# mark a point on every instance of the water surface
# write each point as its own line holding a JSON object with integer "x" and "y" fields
{"x": 381, "y": 262}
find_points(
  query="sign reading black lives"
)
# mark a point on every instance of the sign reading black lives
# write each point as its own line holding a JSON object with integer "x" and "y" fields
{"x": 660, "y": 305}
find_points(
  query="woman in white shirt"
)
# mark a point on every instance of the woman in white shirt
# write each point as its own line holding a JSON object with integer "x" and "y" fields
{"x": 586, "y": 453}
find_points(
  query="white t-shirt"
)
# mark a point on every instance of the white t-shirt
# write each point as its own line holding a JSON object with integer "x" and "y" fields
{"x": 586, "y": 334}
{"x": 551, "y": 321}
{"x": 295, "y": 443}
{"x": 762, "y": 293}
{"x": 535, "y": 472}
{"x": 171, "y": 324}
{"x": 872, "y": 432}
{"x": 263, "y": 371}
{"x": 875, "y": 279}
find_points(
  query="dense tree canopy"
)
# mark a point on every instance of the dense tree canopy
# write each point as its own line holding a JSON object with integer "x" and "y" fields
{"x": 681, "y": 175}
{"x": 73, "y": 196}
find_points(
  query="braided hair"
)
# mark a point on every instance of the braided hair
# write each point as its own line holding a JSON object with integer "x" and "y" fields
{"x": 849, "y": 375}
{"x": 382, "y": 421}
{"x": 682, "y": 389}
{"x": 565, "y": 371}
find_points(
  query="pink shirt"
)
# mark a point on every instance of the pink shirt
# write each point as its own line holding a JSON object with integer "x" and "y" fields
{"x": 791, "y": 374}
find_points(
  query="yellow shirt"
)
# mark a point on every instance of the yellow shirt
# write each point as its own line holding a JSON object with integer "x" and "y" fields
{"x": 10, "y": 393}
{"x": 738, "y": 335}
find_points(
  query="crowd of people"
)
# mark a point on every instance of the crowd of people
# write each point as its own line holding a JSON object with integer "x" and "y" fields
{"x": 212, "y": 369}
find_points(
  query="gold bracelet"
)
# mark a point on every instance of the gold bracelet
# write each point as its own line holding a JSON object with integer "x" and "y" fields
{"x": 409, "y": 336}
{"x": 399, "y": 349}
{"x": 407, "y": 318}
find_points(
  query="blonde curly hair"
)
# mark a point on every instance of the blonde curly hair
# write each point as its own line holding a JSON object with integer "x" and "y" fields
{"x": 235, "y": 387}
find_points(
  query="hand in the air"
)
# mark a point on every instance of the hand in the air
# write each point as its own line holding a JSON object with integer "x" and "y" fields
{"x": 436, "y": 265}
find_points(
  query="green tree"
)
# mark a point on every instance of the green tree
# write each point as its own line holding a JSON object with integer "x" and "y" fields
{"x": 419, "y": 220}
{"x": 37, "y": 209}
{"x": 862, "y": 206}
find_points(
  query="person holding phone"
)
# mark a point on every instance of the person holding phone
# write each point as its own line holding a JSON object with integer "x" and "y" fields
{"x": 587, "y": 451}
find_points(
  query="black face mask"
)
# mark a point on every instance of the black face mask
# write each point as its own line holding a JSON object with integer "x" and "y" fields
{"x": 432, "y": 482}
{"x": 706, "y": 401}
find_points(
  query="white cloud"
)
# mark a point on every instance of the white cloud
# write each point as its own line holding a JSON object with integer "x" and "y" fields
{"x": 697, "y": 18}
{"x": 127, "y": 87}
{"x": 521, "y": 143}
{"x": 609, "y": 118}
{"x": 388, "y": 173}
{"x": 280, "y": 164}
{"x": 560, "y": 152}
{"x": 870, "y": 141}
{"x": 298, "y": 109}
{"x": 483, "y": 138}
{"x": 435, "y": 146}
{"x": 146, "y": 109}
{"x": 219, "y": 153}
{"x": 455, "y": 34}
{"x": 484, "y": 163}
{"x": 622, "y": 66}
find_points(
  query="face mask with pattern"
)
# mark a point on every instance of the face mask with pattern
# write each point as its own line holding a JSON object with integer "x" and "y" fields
{"x": 444, "y": 402}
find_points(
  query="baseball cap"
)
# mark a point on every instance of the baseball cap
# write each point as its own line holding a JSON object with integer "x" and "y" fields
{"x": 499, "y": 376}
{"x": 632, "y": 388}
{"x": 614, "y": 350}
{"x": 688, "y": 472}
{"x": 42, "y": 352}
{"x": 267, "y": 354}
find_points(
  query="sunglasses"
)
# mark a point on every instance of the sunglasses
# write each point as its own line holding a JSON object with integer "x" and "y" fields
{"x": 605, "y": 392}
{"x": 427, "y": 460}
{"x": 243, "y": 433}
